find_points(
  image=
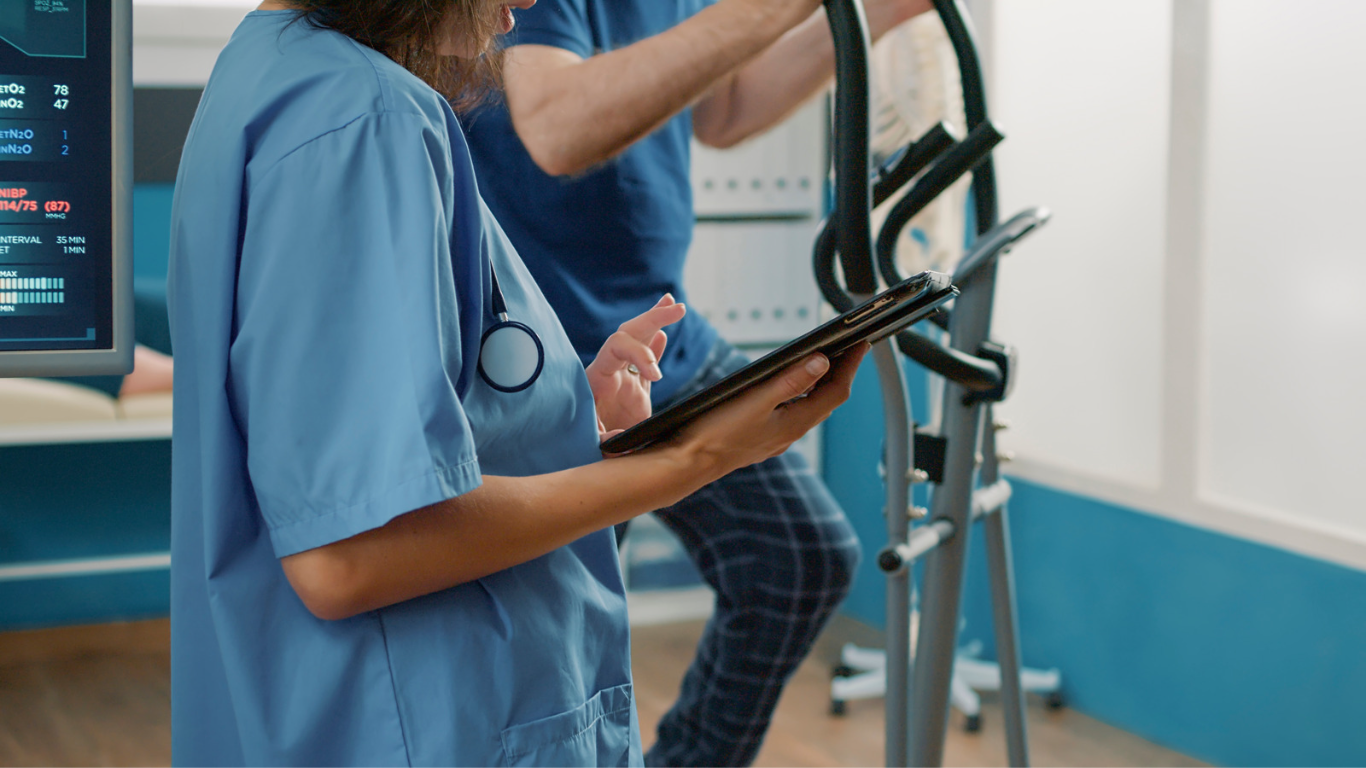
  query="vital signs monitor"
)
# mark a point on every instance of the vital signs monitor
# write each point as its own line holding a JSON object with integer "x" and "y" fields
{"x": 65, "y": 187}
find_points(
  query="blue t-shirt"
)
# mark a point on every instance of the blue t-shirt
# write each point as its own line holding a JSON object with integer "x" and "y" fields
{"x": 330, "y": 285}
{"x": 605, "y": 244}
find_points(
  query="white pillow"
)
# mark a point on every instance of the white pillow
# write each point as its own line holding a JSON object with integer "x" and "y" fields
{"x": 37, "y": 401}
{"x": 153, "y": 405}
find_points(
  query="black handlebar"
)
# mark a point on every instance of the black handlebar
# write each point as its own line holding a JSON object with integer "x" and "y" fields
{"x": 949, "y": 168}
{"x": 969, "y": 372}
{"x": 974, "y": 103}
{"x": 823, "y": 262}
{"x": 904, "y": 165}
{"x": 847, "y": 233}
{"x": 973, "y": 373}
{"x": 853, "y": 198}
{"x": 886, "y": 180}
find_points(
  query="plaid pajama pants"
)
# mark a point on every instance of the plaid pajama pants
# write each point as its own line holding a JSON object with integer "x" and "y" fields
{"x": 778, "y": 551}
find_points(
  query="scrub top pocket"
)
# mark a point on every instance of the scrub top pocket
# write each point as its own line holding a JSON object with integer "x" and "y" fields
{"x": 598, "y": 732}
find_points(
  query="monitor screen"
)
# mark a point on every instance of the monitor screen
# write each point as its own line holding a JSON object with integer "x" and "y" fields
{"x": 65, "y": 261}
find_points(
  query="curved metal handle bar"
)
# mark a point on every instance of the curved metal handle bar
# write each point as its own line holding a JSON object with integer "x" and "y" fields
{"x": 953, "y": 165}
{"x": 974, "y": 103}
{"x": 910, "y": 161}
{"x": 853, "y": 196}
{"x": 999, "y": 241}
{"x": 973, "y": 373}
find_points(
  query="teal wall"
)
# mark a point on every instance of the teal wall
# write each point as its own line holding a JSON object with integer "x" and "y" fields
{"x": 92, "y": 500}
{"x": 79, "y": 501}
{"x": 1227, "y": 650}
{"x": 151, "y": 230}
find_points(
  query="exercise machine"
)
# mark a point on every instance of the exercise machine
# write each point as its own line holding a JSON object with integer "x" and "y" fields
{"x": 959, "y": 460}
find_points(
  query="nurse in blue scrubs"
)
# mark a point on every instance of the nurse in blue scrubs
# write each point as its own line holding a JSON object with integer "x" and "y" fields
{"x": 392, "y": 531}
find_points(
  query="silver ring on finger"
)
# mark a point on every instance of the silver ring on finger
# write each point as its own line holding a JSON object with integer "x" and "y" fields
{"x": 632, "y": 369}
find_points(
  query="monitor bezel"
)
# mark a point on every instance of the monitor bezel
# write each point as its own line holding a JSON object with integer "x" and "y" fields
{"x": 118, "y": 359}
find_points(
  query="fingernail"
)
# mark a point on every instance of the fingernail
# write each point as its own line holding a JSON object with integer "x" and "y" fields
{"x": 664, "y": 298}
{"x": 817, "y": 365}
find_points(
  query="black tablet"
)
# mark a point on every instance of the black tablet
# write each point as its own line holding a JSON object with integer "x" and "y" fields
{"x": 875, "y": 319}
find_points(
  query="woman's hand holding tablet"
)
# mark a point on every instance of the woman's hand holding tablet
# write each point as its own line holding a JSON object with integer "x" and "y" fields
{"x": 873, "y": 320}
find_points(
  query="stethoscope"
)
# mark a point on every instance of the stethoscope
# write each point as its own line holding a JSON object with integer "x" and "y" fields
{"x": 510, "y": 353}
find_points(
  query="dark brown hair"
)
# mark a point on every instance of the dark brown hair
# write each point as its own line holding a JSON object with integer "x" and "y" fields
{"x": 409, "y": 32}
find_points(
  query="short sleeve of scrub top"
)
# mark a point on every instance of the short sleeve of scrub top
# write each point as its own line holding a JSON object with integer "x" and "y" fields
{"x": 558, "y": 23}
{"x": 341, "y": 371}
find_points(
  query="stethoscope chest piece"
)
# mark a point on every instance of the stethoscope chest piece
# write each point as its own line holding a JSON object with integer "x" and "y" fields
{"x": 510, "y": 354}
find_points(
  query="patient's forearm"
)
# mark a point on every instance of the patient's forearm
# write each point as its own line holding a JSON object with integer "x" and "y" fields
{"x": 572, "y": 113}
{"x": 770, "y": 87}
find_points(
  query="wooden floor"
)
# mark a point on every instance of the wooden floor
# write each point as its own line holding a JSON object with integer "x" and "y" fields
{"x": 805, "y": 734}
{"x": 86, "y": 696}
{"x": 101, "y": 696}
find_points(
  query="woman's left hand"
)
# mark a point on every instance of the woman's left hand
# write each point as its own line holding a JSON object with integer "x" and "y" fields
{"x": 628, "y": 362}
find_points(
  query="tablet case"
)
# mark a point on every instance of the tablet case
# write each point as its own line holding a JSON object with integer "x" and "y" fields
{"x": 875, "y": 319}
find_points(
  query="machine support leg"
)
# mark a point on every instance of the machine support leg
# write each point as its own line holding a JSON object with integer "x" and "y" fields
{"x": 898, "y": 461}
{"x": 1001, "y": 572}
{"x": 942, "y": 593}
{"x": 942, "y": 588}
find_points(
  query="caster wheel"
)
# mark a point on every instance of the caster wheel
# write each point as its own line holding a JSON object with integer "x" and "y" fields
{"x": 843, "y": 670}
{"x": 1054, "y": 700}
{"x": 837, "y": 707}
{"x": 973, "y": 724}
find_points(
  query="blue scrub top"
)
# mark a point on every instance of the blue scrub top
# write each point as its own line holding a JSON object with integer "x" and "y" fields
{"x": 330, "y": 283}
{"x": 607, "y": 243}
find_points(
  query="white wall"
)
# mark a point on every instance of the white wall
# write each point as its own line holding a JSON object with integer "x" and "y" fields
{"x": 175, "y": 42}
{"x": 1081, "y": 91}
{"x": 1284, "y": 325}
{"x": 1201, "y": 354}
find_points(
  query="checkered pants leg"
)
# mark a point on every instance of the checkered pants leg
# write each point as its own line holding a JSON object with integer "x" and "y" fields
{"x": 779, "y": 554}
{"x": 778, "y": 551}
